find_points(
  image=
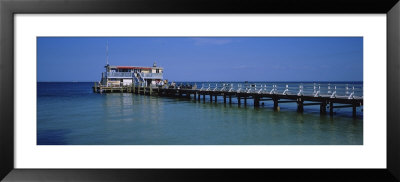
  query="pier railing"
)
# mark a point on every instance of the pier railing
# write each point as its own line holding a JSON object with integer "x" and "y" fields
{"x": 351, "y": 91}
{"x": 119, "y": 74}
{"x": 131, "y": 75}
{"x": 152, "y": 75}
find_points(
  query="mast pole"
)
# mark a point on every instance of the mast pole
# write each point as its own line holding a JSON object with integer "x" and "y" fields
{"x": 107, "y": 53}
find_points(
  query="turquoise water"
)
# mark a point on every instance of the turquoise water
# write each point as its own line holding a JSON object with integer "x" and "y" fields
{"x": 71, "y": 114}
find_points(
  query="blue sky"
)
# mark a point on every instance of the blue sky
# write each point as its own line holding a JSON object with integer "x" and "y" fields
{"x": 205, "y": 58}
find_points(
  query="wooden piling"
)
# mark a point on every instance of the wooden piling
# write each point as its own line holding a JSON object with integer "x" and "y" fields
{"x": 230, "y": 99}
{"x": 238, "y": 98}
{"x": 331, "y": 108}
{"x": 256, "y": 101}
{"x": 354, "y": 110}
{"x": 322, "y": 108}
{"x": 95, "y": 87}
{"x": 224, "y": 99}
{"x": 210, "y": 97}
{"x": 275, "y": 103}
{"x": 300, "y": 107}
{"x": 198, "y": 96}
{"x": 215, "y": 100}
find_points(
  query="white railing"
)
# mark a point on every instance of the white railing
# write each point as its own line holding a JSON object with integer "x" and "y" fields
{"x": 119, "y": 74}
{"x": 130, "y": 75}
{"x": 308, "y": 89}
{"x": 152, "y": 75}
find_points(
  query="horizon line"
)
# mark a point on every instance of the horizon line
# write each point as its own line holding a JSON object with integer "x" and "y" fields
{"x": 227, "y": 81}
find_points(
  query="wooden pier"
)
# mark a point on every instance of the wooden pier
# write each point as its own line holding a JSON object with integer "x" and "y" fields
{"x": 242, "y": 96}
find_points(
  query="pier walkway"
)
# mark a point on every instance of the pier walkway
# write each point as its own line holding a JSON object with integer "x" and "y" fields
{"x": 331, "y": 97}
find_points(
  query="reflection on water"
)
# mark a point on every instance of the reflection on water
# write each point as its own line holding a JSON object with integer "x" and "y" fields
{"x": 122, "y": 118}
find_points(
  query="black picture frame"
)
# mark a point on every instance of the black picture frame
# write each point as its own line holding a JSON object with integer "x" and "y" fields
{"x": 9, "y": 8}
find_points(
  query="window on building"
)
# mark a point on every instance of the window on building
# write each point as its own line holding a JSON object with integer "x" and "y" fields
{"x": 157, "y": 70}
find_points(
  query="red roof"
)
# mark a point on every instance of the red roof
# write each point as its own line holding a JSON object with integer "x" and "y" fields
{"x": 133, "y": 67}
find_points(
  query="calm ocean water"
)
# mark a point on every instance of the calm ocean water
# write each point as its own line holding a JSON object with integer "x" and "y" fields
{"x": 69, "y": 113}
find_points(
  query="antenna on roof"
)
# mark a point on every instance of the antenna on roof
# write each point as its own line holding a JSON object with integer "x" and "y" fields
{"x": 107, "y": 53}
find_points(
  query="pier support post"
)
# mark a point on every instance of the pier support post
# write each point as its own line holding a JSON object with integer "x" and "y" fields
{"x": 275, "y": 103}
{"x": 224, "y": 99}
{"x": 230, "y": 99}
{"x": 204, "y": 97}
{"x": 95, "y": 87}
{"x": 198, "y": 96}
{"x": 300, "y": 107}
{"x": 245, "y": 100}
{"x": 256, "y": 101}
{"x": 238, "y": 98}
{"x": 354, "y": 110}
{"x": 331, "y": 108}
{"x": 215, "y": 100}
{"x": 322, "y": 108}
{"x": 151, "y": 90}
{"x": 210, "y": 97}
{"x": 188, "y": 95}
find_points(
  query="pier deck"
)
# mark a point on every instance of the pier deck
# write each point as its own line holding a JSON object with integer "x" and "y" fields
{"x": 302, "y": 100}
